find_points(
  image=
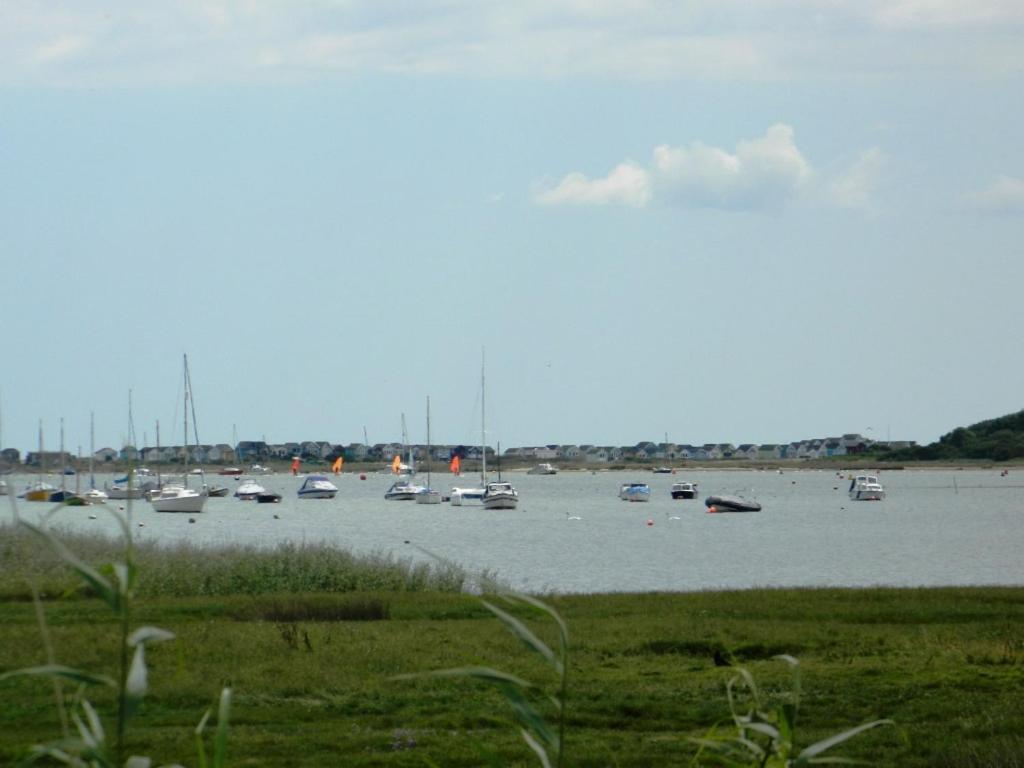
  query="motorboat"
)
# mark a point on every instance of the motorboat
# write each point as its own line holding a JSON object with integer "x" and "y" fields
{"x": 317, "y": 487}
{"x": 248, "y": 490}
{"x": 403, "y": 489}
{"x": 230, "y": 471}
{"x": 542, "y": 469}
{"x": 731, "y": 504}
{"x": 662, "y": 470}
{"x": 268, "y": 497}
{"x": 866, "y": 488}
{"x": 215, "y": 490}
{"x": 94, "y": 496}
{"x": 683, "y": 490}
{"x": 177, "y": 498}
{"x": 635, "y": 492}
{"x": 466, "y": 496}
{"x": 259, "y": 469}
{"x": 500, "y": 495}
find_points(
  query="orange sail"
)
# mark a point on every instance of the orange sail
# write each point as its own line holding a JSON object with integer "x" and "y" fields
{"x": 396, "y": 464}
{"x": 337, "y": 464}
{"x": 295, "y": 465}
{"x": 455, "y": 465}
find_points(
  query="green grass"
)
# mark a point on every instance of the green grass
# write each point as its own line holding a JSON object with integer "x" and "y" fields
{"x": 312, "y": 670}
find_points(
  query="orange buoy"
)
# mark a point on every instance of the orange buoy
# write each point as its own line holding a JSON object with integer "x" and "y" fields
{"x": 712, "y": 509}
{"x": 649, "y": 522}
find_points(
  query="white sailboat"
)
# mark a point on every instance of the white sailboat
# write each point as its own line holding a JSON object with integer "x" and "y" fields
{"x": 428, "y": 495}
{"x": 94, "y": 495}
{"x": 175, "y": 497}
{"x": 498, "y": 495}
{"x": 403, "y": 489}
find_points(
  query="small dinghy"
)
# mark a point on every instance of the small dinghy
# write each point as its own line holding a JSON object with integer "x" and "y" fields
{"x": 731, "y": 504}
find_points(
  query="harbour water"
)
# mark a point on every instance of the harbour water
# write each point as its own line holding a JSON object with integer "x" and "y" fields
{"x": 935, "y": 528}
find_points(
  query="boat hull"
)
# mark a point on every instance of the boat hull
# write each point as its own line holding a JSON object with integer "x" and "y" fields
{"x": 867, "y": 495}
{"x": 317, "y": 494}
{"x": 684, "y": 494}
{"x": 428, "y": 496}
{"x": 730, "y": 504}
{"x": 466, "y": 497}
{"x": 182, "y": 501}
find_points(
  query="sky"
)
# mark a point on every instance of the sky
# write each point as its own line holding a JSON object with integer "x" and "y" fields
{"x": 711, "y": 221}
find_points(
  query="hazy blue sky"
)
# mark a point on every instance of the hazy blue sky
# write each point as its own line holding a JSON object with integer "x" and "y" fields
{"x": 720, "y": 221}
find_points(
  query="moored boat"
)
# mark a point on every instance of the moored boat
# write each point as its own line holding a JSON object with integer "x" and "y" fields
{"x": 317, "y": 487}
{"x": 683, "y": 490}
{"x": 268, "y": 497}
{"x": 177, "y": 498}
{"x": 500, "y": 495}
{"x": 635, "y": 492}
{"x": 866, "y": 488}
{"x": 542, "y": 469}
{"x": 403, "y": 489}
{"x": 248, "y": 490}
{"x": 731, "y": 504}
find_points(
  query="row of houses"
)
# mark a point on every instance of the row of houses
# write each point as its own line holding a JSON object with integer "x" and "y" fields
{"x": 258, "y": 451}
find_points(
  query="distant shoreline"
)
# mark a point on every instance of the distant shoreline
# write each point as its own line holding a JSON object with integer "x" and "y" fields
{"x": 838, "y": 464}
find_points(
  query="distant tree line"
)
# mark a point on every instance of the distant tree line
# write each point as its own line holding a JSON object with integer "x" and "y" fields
{"x": 999, "y": 439}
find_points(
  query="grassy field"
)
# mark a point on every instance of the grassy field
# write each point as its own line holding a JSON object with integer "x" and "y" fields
{"x": 313, "y": 669}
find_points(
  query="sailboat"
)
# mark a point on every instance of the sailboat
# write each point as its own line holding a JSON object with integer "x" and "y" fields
{"x": 500, "y": 494}
{"x": 40, "y": 490}
{"x": 493, "y": 495}
{"x": 403, "y": 489}
{"x": 94, "y": 495}
{"x": 179, "y": 497}
{"x": 428, "y": 495}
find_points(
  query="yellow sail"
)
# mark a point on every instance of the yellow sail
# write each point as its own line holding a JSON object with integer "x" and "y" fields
{"x": 396, "y": 464}
{"x": 337, "y": 464}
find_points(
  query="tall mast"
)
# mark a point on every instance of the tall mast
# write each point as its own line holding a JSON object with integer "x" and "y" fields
{"x": 483, "y": 422}
{"x": 92, "y": 448}
{"x": 185, "y": 434}
{"x": 428, "y": 442}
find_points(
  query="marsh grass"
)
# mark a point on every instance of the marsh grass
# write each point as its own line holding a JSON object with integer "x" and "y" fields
{"x": 187, "y": 570}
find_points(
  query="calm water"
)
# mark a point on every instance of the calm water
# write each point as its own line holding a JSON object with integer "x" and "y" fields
{"x": 934, "y": 528}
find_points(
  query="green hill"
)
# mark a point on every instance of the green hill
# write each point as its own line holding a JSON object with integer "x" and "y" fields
{"x": 999, "y": 439}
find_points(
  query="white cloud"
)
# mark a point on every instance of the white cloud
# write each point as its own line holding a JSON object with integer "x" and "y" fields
{"x": 63, "y": 48}
{"x": 627, "y": 184}
{"x": 762, "y": 173}
{"x": 1004, "y": 195}
{"x": 715, "y": 40}
{"x": 855, "y": 187}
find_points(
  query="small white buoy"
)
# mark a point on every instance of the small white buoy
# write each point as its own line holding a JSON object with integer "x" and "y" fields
{"x": 92, "y": 517}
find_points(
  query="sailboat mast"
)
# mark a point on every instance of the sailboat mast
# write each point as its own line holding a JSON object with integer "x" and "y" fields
{"x": 428, "y": 442}
{"x": 92, "y": 448}
{"x": 185, "y": 434}
{"x": 483, "y": 422}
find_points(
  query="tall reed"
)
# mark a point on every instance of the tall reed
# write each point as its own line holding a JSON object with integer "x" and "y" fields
{"x": 115, "y": 584}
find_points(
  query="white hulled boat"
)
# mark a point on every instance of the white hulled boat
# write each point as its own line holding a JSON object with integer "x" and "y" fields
{"x": 317, "y": 487}
{"x": 428, "y": 495}
{"x": 174, "y": 497}
{"x": 866, "y": 488}
{"x": 542, "y": 469}
{"x": 500, "y": 495}
{"x": 248, "y": 490}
